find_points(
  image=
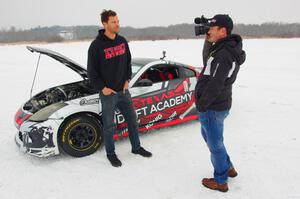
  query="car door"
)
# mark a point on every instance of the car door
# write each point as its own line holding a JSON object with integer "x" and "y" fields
{"x": 146, "y": 97}
{"x": 176, "y": 97}
{"x": 142, "y": 97}
{"x": 180, "y": 94}
{"x": 168, "y": 98}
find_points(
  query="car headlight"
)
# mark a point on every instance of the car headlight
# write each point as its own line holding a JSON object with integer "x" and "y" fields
{"x": 44, "y": 113}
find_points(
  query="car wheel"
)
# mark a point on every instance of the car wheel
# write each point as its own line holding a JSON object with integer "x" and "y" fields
{"x": 80, "y": 135}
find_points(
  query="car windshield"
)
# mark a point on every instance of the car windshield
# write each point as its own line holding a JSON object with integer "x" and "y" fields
{"x": 135, "y": 68}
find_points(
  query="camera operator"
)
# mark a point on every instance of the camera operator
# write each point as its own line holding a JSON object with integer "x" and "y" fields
{"x": 222, "y": 57}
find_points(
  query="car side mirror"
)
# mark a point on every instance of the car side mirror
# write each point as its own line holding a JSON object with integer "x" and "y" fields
{"x": 143, "y": 83}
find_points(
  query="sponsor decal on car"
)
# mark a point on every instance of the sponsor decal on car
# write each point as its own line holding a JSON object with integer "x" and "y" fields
{"x": 85, "y": 101}
{"x": 156, "y": 104}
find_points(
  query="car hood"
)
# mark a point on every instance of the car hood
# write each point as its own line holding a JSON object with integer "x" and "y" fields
{"x": 62, "y": 59}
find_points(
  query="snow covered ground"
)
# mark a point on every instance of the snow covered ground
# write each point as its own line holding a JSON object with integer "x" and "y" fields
{"x": 262, "y": 133}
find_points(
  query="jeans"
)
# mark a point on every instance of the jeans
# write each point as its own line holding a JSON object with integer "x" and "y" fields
{"x": 212, "y": 125}
{"x": 123, "y": 102}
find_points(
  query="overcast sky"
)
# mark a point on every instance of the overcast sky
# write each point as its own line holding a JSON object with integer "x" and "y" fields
{"x": 140, "y": 13}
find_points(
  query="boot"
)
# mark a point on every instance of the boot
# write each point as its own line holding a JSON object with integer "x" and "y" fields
{"x": 232, "y": 172}
{"x": 212, "y": 184}
{"x": 141, "y": 151}
{"x": 114, "y": 160}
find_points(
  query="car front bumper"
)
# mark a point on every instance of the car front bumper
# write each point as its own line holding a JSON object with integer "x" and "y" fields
{"x": 38, "y": 139}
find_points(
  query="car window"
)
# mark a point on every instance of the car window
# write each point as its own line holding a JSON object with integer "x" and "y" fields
{"x": 135, "y": 68}
{"x": 160, "y": 73}
{"x": 189, "y": 73}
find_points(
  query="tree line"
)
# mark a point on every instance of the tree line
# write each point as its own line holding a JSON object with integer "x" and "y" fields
{"x": 179, "y": 31}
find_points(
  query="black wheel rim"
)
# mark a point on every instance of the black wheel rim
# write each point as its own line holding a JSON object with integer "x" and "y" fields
{"x": 82, "y": 136}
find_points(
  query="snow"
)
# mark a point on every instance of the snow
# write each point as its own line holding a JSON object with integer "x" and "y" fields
{"x": 261, "y": 133}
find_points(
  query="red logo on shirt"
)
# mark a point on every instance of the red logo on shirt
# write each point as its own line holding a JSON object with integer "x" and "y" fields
{"x": 115, "y": 51}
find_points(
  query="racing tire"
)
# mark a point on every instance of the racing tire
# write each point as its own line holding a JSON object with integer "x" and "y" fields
{"x": 80, "y": 135}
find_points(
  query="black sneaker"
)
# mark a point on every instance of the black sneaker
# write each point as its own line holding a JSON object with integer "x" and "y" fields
{"x": 114, "y": 160}
{"x": 141, "y": 151}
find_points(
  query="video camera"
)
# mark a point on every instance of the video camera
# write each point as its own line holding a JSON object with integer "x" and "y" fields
{"x": 202, "y": 25}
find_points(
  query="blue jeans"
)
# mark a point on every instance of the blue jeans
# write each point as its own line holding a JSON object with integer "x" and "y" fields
{"x": 123, "y": 102}
{"x": 212, "y": 125}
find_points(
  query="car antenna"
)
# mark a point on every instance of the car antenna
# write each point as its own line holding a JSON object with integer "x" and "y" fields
{"x": 164, "y": 55}
{"x": 37, "y": 66}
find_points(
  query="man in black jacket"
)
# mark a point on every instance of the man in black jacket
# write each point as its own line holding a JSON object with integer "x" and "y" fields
{"x": 109, "y": 71}
{"x": 222, "y": 57}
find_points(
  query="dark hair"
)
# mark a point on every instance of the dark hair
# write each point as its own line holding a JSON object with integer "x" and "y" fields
{"x": 228, "y": 31}
{"x": 106, "y": 14}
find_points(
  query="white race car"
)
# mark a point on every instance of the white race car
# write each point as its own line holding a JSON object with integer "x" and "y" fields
{"x": 68, "y": 117}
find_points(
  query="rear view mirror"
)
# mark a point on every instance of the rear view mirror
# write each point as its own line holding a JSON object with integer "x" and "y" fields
{"x": 143, "y": 83}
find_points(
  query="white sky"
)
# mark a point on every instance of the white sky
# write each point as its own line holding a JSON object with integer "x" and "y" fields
{"x": 141, "y": 13}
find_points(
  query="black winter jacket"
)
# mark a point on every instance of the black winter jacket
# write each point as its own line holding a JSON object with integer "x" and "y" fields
{"x": 221, "y": 66}
{"x": 109, "y": 62}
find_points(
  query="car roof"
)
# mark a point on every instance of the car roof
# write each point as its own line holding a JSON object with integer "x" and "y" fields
{"x": 143, "y": 61}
